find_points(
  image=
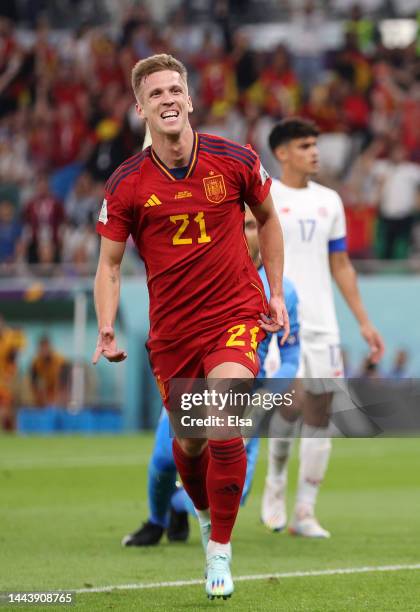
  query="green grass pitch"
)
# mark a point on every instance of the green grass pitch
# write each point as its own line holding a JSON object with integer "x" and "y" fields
{"x": 65, "y": 503}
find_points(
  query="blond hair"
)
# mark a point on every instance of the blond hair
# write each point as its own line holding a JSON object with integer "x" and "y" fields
{"x": 155, "y": 63}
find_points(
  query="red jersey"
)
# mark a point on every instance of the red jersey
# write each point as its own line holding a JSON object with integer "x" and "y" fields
{"x": 190, "y": 233}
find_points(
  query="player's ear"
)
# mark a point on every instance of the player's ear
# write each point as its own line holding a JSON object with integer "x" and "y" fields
{"x": 139, "y": 110}
{"x": 190, "y": 105}
{"x": 280, "y": 153}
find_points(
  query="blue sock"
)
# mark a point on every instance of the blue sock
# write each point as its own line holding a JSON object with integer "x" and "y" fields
{"x": 161, "y": 474}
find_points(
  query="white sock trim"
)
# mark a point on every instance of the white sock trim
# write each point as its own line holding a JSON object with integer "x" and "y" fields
{"x": 203, "y": 516}
{"x": 215, "y": 548}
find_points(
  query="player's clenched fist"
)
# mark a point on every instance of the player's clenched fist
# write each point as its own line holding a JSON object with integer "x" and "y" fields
{"x": 107, "y": 346}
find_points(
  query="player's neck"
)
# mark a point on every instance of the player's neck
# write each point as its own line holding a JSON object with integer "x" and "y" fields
{"x": 257, "y": 261}
{"x": 174, "y": 151}
{"x": 293, "y": 179}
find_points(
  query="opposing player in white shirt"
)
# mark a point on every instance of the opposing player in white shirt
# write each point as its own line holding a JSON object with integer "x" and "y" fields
{"x": 314, "y": 228}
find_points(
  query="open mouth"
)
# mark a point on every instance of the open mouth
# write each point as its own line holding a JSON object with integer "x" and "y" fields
{"x": 170, "y": 115}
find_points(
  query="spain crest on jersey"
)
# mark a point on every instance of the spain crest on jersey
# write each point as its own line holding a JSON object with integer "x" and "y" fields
{"x": 215, "y": 188}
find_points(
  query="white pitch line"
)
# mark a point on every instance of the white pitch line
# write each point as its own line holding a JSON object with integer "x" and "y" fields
{"x": 181, "y": 583}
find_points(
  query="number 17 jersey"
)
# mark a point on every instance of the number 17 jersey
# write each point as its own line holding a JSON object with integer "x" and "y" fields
{"x": 314, "y": 226}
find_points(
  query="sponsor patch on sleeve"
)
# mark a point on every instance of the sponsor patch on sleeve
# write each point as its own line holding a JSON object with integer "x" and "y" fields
{"x": 263, "y": 174}
{"x": 103, "y": 215}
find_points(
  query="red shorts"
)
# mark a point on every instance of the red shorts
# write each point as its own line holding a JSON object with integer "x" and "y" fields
{"x": 196, "y": 355}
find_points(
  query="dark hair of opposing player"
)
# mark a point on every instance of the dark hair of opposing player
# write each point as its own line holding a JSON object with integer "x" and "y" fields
{"x": 290, "y": 129}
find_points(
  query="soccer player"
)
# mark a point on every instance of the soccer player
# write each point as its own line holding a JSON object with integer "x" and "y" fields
{"x": 314, "y": 228}
{"x": 182, "y": 201}
{"x": 169, "y": 505}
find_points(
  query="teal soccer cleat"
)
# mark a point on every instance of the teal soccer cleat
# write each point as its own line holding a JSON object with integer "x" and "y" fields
{"x": 219, "y": 579}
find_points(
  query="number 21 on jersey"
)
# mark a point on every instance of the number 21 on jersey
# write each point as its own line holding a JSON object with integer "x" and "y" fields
{"x": 183, "y": 221}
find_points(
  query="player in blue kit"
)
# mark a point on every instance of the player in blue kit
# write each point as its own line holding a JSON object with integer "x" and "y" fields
{"x": 168, "y": 505}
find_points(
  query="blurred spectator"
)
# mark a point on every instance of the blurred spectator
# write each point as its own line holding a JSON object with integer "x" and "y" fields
{"x": 10, "y": 232}
{"x": 410, "y": 121}
{"x": 362, "y": 28}
{"x": 352, "y": 65}
{"x": 361, "y": 193}
{"x": 136, "y": 43}
{"x": 49, "y": 375}
{"x": 109, "y": 151}
{"x": 353, "y": 108}
{"x": 280, "y": 85}
{"x": 81, "y": 205}
{"x": 361, "y": 185}
{"x": 400, "y": 367}
{"x": 245, "y": 62}
{"x": 185, "y": 40}
{"x": 43, "y": 217}
{"x": 399, "y": 200}
{"x": 69, "y": 135}
{"x": 12, "y": 341}
{"x": 307, "y": 44}
{"x": 321, "y": 109}
{"x": 41, "y": 138}
{"x": 80, "y": 248}
{"x": 218, "y": 83}
{"x": 46, "y": 57}
{"x": 106, "y": 67}
{"x": 11, "y": 62}
{"x": 15, "y": 166}
{"x": 67, "y": 86}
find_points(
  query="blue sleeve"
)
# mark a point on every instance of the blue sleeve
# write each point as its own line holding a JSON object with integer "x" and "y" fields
{"x": 292, "y": 310}
{"x": 339, "y": 244}
{"x": 289, "y": 358}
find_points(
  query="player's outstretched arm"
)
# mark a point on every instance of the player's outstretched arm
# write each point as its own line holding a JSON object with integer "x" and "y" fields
{"x": 345, "y": 276}
{"x": 107, "y": 295}
{"x": 270, "y": 237}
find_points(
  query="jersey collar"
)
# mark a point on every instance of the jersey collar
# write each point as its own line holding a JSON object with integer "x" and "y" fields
{"x": 191, "y": 164}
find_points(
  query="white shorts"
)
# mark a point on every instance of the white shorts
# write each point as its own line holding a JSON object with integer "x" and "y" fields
{"x": 321, "y": 361}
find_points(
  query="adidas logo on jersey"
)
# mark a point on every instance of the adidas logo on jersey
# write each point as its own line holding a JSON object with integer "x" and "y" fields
{"x": 251, "y": 356}
{"x": 153, "y": 201}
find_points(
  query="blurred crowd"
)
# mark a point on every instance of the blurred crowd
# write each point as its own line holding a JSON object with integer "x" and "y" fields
{"x": 45, "y": 382}
{"x": 67, "y": 120}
